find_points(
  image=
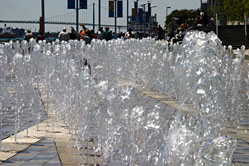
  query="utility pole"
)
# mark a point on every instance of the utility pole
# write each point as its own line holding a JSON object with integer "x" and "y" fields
{"x": 127, "y": 14}
{"x": 115, "y": 15}
{"x": 245, "y": 21}
{"x": 77, "y": 15}
{"x": 43, "y": 17}
{"x": 217, "y": 24}
{"x": 93, "y": 17}
{"x": 137, "y": 18}
{"x": 99, "y": 14}
{"x": 168, "y": 7}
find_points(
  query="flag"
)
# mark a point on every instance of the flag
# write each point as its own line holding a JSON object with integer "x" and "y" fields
{"x": 111, "y": 8}
{"x": 120, "y": 8}
{"x": 83, "y": 4}
{"x": 134, "y": 12}
{"x": 71, "y": 4}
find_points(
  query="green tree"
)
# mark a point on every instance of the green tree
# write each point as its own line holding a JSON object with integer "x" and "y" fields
{"x": 233, "y": 9}
{"x": 177, "y": 17}
{"x": 246, "y": 3}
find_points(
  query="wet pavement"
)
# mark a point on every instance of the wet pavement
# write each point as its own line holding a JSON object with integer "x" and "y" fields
{"x": 42, "y": 153}
{"x": 30, "y": 117}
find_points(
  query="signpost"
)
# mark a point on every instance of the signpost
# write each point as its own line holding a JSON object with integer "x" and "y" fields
{"x": 83, "y": 4}
{"x": 99, "y": 14}
{"x": 42, "y": 20}
{"x": 80, "y": 4}
{"x": 71, "y": 4}
{"x": 115, "y": 10}
{"x": 111, "y": 8}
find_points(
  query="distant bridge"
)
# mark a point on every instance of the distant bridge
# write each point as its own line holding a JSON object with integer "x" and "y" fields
{"x": 57, "y": 22}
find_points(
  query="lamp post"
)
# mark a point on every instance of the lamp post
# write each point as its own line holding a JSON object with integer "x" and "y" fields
{"x": 99, "y": 14}
{"x": 93, "y": 17}
{"x": 153, "y": 6}
{"x": 43, "y": 18}
{"x": 127, "y": 14}
{"x": 168, "y": 7}
{"x": 77, "y": 15}
{"x": 115, "y": 15}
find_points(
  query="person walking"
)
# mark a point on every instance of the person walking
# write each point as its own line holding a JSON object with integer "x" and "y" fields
{"x": 160, "y": 32}
{"x": 63, "y": 35}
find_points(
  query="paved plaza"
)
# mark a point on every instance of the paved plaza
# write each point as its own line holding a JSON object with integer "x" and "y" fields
{"x": 42, "y": 153}
{"x": 27, "y": 118}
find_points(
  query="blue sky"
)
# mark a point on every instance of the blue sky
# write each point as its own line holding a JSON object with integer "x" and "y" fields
{"x": 31, "y": 10}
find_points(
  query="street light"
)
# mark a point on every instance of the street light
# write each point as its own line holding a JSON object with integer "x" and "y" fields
{"x": 168, "y": 7}
{"x": 153, "y": 6}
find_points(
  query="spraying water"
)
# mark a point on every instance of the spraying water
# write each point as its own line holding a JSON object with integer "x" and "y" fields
{"x": 118, "y": 125}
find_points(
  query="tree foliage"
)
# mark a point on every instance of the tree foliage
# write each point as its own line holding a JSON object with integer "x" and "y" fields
{"x": 177, "y": 17}
{"x": 233, "y": 9}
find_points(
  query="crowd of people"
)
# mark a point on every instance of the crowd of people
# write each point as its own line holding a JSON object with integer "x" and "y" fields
{"x": 87, "y": 35}
{"x": 172, "y": 34}
{"x": 176, "y": 34}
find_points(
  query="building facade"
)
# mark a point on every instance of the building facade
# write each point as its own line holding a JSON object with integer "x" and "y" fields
{"x": 141, "y": 20}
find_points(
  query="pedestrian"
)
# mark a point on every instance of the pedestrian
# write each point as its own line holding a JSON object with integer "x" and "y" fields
{"x": 100, "y": 33}
{"x": 93, "y": 34}
{"x": 82, "y": 32}
{"x": 72, "y": 36}
{"x": 88, "y": 33}
{"x": 121, "y": 35}
{"x": 107, "y": 35}
{"x": 87, "y": 39}
{"x": 87, "y": 67}
{"x": 28, "y": 35}
{"x": 40, "y": 36}
{"x": 160, "y": 32}
{"x": 114, "y": 35}
{"x": 129, "y": 34}
{"x": 63, "y": 35}
{"x": 211, "y": 22}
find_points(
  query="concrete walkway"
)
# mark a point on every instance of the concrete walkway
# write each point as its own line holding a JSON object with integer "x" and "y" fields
{"x": 42, "y": 153}
{"x": 27, "y": 118}
{"x": 54, "y": 130}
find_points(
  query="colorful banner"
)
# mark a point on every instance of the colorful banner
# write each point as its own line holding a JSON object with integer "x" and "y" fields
{"x": 120, "y": 8}
{"x": 71, "y": 4}
{"x": 83, "y": 4}
{"x": 111, "y": 8}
